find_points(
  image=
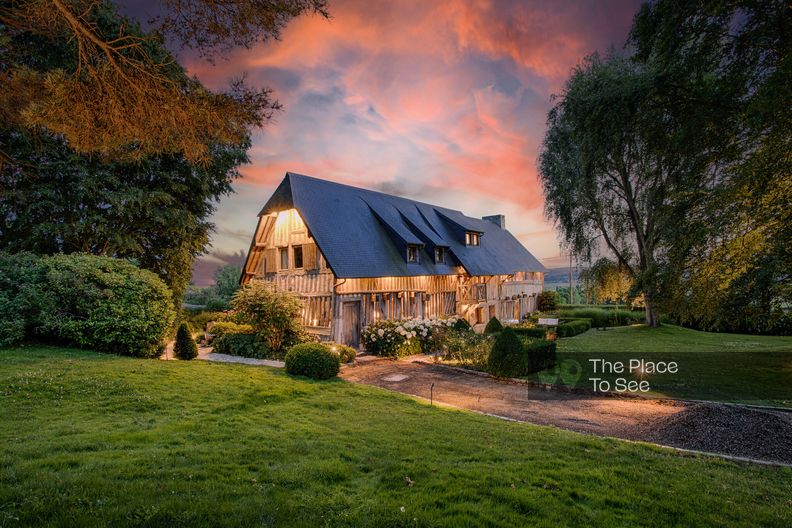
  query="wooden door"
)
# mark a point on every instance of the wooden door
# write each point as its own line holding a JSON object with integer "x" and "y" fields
{"x": 350, "y": 317}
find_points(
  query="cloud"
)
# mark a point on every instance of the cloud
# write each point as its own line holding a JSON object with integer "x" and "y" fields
{"x": 444, "y": 102}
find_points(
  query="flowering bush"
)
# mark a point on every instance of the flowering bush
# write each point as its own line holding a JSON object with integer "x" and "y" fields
{"x": 403, "y": 338}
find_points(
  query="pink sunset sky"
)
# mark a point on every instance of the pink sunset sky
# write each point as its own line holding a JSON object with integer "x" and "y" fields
{"x": 443, "y": 102}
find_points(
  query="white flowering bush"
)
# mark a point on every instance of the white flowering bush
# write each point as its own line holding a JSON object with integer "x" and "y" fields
{"x": 406, "y": 337}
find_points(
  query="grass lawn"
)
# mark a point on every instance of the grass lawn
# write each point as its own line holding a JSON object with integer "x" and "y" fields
{"x": 99, "y": 440}
{"x": 712, "y": 366}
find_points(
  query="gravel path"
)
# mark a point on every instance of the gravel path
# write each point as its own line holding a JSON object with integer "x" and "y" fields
{"x": 726, "y": 429}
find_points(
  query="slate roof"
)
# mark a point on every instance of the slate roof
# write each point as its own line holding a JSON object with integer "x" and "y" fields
{"x": 365, "y": 233}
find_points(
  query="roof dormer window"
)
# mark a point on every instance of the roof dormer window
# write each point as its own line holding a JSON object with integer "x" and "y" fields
{"x": 472, "y": 238}
{"x": 440, "y": 255}
{"x": 412, "y": 253}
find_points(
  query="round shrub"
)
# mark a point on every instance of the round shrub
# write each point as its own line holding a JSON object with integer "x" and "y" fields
{"x": 184, "y": 347}
{"x": 493, "y": 326}
{"x": 106, "y": 304}
{"x": 345, "y": 353}
{"x": 313, "y": 360}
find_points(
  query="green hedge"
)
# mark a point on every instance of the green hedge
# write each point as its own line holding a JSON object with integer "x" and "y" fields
{"x": 573, "y": 328}
{"x": 229, "y": 327}
{"x": 313, "y": 360}
{"x": 595, "y": 306}
{"x": 514, "y": 356}
{"x": 100, "y": 303}
{"x": 602, "y": 318}
{"x": 534, "y": 331}
{"x": 243, "y": 345}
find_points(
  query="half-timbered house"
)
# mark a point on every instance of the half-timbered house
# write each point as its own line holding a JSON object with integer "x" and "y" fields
{"x": 355, "y": 256}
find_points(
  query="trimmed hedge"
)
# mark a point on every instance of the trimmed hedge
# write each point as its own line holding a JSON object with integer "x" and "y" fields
{"x": 228, "y": 327}
{"x": 243, "y": 345}
{"x": 493, "y": 326}
{"x": 184, "y": 347}
{"x": 313, "y": 360}
{"x": 573, "y": 328}
{"x": 513, "y": 356}
{"x": 525, "y": 331}
{"x": 595, "y": 306}
{"x": 601, "y": 318}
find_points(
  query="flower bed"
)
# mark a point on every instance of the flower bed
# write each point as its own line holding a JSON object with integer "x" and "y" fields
{"x": 402, "y": 338}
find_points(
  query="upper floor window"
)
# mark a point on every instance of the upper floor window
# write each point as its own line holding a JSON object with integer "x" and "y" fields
{"x": 284, "y": 258}
{"x": 412, "y": 253}
{"x": 297, "y": 252}
{"x": 472, "y": 238}
{"x": 440, "y": 255}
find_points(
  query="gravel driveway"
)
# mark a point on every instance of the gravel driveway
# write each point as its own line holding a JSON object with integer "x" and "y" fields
{"x": 727, "y": 429}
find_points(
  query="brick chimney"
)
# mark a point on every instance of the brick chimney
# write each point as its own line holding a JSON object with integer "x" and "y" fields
{"x": 498, "y": 220}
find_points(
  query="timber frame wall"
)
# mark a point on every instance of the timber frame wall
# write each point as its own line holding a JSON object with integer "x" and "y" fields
{"x": 477, "y": 299}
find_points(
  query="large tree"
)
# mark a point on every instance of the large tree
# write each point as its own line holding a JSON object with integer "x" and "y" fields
{"x": 155, "y": 211}
{"x": 116, "y": 90}
{"x": 613, "y": 172}
{"x": 723, "y": 71}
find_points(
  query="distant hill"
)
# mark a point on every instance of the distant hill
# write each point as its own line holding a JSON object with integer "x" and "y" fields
{"x": 560, "y": 276}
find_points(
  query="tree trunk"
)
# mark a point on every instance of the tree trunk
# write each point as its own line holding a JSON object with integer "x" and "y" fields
{"x": 651, "y": 317}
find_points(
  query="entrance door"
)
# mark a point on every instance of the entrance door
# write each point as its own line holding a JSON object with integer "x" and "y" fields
{"x": 350, "y": 314}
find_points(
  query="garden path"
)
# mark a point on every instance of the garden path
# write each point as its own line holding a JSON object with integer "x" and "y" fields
{"x": 727, "y": 429}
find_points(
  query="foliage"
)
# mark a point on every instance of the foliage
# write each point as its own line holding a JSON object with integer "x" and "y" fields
{"x": 22, "y": 299}
{"x": 601, "y": 318}
{"x": 107, "y": 304}
{"x": 530, "y": 331}
{"x": 184, "y": 347}
{"x": 218, "y": 295}
{"x": 547, "y": 301}
{"x": 493, "y": 326}
{"x": 462, "y": 325}
{"x": 512, "y": 356}
{"x": 155, "y": 211}
{"x": 346, "y": 354}
{"x": 243, "y": 345}
{"x": 406, "y": 337}
{"x": 606, "y": 282}
{"x": 602, "y": 306}
{"x": 116, "y": 90}
{"x": 467, "y": 349}
{"x": 274, "y": 315}
{"x": 573, "y": 328}
{"x": 198, "y": 319}
{"x": 229, "y": 327}
{"x": 313, "y": 360}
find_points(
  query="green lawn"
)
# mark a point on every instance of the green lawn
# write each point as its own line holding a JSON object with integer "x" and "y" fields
{"x": 99, "y": 440}
{"x": 712, "y": 366}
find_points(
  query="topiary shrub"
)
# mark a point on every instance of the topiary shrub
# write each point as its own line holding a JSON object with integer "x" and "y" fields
{"x": 184, "y": 347}
{"x": 513, "y": 356}
{"x": 493, "y": 326}
{"x": 462, "y": 325}
{"x": 506, "y": 356}
{"x": 547, "y": 301}
{"x": 573, "y": 328}
{"x": 106, "y": 304}
{"x": 313, "y": 360}
{"x": 345, "y": 353}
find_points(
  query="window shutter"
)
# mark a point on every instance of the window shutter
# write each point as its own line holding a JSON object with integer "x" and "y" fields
{"x": 310, "y": 257}
{"x": 270, "y": 264}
